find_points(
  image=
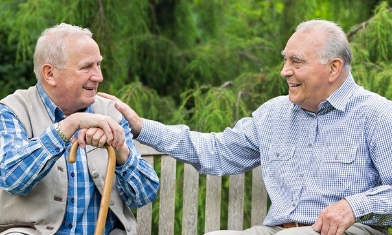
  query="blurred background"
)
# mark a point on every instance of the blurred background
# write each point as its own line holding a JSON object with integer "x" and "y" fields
{"x": 204, "y": 63}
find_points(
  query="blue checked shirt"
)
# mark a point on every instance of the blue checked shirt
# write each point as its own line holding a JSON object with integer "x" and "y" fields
{"x": 24, "y": 162}
{"x": 309, "y": 160}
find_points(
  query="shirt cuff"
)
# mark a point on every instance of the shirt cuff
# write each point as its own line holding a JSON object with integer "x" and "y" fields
{"x": 52, "y": 142}
{"x": 150, "y": 132}
{"x": 361, "y": 206}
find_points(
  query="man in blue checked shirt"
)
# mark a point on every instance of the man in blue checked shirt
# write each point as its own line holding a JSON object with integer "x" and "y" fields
{"x": 40, "y": 192}
{"x": 325, "y": 149}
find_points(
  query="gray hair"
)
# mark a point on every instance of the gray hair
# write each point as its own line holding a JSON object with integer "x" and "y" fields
{"x": 51, "y": 46}
{"x": 336, "y": 44}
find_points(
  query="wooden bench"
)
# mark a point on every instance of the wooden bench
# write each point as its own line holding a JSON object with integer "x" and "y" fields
{"x": 213, "y": 201}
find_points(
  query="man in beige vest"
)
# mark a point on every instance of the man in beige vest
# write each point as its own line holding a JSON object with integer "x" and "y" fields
{"x": 40, "y": 192}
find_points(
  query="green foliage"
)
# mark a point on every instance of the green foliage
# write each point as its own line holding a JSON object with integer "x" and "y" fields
{"x": 204, "y": 63}
{"x": 372, "y": 48}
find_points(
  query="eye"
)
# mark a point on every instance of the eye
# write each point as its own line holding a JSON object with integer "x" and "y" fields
{"x": 297, "y": 61}
{"x": 87, "y": 67}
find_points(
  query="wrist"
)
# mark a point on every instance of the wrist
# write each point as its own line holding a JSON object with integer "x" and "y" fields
{"x": 122, "y": 155}
{"x": 57, "y": 127}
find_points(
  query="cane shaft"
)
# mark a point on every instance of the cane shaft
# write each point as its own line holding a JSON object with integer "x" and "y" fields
{"x": 104, "y": 207}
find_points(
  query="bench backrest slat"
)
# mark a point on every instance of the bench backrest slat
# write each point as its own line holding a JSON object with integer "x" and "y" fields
{"x": 167, "y": 195}
{"x": 236, "y": 202}
{"x": 190, "y": 200}
{"x": 144, "y": 214}
{"x": 213, "y": 203}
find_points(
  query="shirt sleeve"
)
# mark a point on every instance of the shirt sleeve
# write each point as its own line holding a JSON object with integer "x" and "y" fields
{"x": 375, "y": 204}
{"x": 23, "y": 161}
{"x": 232, "y": 151}
{"x": 138, "y": 182}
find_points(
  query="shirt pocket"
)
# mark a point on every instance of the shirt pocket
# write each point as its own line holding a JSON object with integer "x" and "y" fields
{"x": 281, "y": 153}
{"x": 338, "y": 170}
{"x": 340, "y": 154}
{"x": 280, "y": 164}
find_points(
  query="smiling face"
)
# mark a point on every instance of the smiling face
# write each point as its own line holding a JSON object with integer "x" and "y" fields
{"x": 75, "y": 85}
{"x": 308, "y": 79}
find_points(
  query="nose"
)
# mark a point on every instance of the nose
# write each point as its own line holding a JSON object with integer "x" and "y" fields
{"x": 286, "y": 71}
{"x": 96, "y": 74}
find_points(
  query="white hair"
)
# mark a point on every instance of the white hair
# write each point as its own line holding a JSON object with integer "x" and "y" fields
{"x": 336, "y": 44}
{"x": 51, "y": 46}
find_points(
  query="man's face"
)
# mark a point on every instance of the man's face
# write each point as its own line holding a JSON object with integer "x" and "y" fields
{"x": 77, "y": 82}
{"x": 306, "y": 77}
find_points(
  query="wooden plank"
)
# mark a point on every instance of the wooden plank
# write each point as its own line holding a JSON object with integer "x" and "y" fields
{"x": 146, "y": 150}
{"x": 167, "y": 195}
{"x": 190, "y": 200}
{"x": 144, "y": 214}
{"x": 259, "y": 198}
{"x": 236, "y": 202}
{"x": 213, "y": 203}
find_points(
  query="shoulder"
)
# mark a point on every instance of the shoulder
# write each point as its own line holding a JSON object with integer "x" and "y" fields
{"x": 106, "y": 107}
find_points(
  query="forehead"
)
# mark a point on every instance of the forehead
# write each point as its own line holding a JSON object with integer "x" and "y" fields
{"x": 82, "y": 50}
{"x": 304, "y": 45}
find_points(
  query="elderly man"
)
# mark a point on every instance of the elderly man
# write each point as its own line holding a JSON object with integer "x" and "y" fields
{"x": 324, "y": 149}
{"x": 40, "y": 193}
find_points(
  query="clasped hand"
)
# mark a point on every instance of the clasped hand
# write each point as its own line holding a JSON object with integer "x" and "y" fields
{"x": 95, "y": 130}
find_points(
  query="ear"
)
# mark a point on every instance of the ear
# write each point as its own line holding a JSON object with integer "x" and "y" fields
{"x": 48, "y": 72}
{"x": 335, "y": 67}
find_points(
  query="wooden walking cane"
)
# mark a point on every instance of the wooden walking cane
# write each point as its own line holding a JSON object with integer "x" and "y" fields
{"x": 104, "y": 207}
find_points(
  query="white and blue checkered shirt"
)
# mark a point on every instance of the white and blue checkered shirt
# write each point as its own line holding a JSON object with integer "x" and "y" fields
{"x": 24, "y": 162}
{"x": 309, "y": 160}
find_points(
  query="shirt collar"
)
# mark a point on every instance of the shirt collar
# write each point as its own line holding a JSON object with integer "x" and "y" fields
{"x": 339, "y": 99}
{"x": 342, "y": 95}
{"x": 55, "y": 113}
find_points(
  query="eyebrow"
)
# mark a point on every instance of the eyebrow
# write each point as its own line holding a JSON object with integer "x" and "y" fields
{"x": 297, "y": 57}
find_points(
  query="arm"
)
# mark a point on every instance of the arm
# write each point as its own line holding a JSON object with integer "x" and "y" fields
{"x": 209, "y": 153}
{"x": 24, "y": 162}
{"x": 373, "y": 206}
{"x": 137, "y": 182}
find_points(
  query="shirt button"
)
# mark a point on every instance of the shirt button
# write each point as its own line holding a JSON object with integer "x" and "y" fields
{"x": 124, "y": 173}
{"x": 72, "y": 200}
{"x": 73, "y": 174}
{"x": 70, "y": 225}
{"x": 310, "y": 145}
{"x": 294, "y": 205}
{"x": 57, "y": 149}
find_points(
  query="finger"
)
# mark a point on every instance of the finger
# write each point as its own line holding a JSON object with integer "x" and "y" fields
{"x": 108, "y": 126}
{"x": 332, "y": 229}
{"x": 107, "y": 96}
{"x": 119, "y": 136}
{"x": 90, "y": 133}
{"x": 100, "y": 138}
{"x": 317, "y": 224}
{"x": 82, "y": 138}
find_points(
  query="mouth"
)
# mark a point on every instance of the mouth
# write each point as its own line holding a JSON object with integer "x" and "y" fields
{"x": 89, "y": 88}
{"x": 294, "y": 84}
